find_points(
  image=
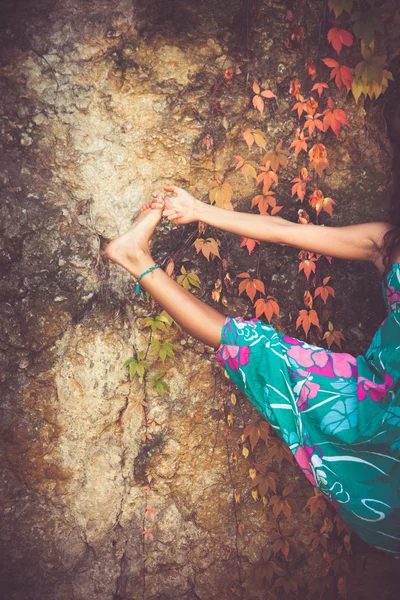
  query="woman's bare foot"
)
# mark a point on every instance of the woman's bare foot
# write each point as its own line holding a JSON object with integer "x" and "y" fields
{"x": 131, "y": 250}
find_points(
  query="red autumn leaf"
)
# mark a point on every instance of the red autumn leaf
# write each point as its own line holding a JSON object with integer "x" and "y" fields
{"x": 267, "y": 306}
{"x": 318, "y": 202}
{"x": 333, "y": 337}
{"x": 316, "y": 502}
{"x": 318, "y": 539}
{"x": 265, "y": 481}
{"x": 308, "y": 299}
{"x": 318, "y": 158}
{"x": 299, "y": 144}
{"x": 300, "y": 106}
{"x": 208, "y": 247}
{"x": 297, "y": 36}
{"x": 307, "y": 318}
{"x": 221, "y": 194}
{"x": 313, "y": 122}
{"x": 228, "y": 73}
{"x": 258, "y": 101}
{"x": 276, "y": 157}
{"x": 339, "y": 37}
{"x": 283, "y": 504}
{"x": 307, "y": 263}
{"x": 208, "y": 141}
{"x": 250, "y": 286}
{"x": 303, "y": 217}
{"x": 247, "y": 167}
{"x": 267, "y": 177}
{"x": 255, "y": 432}
{"x": 311, "y": 70}
{"x": 311, "y": 105}
{"x": 319, "y": 87}
{"x": 281, "y": 545}
{"x": 324, "y": 290}
{"x": 147, "y": 534}
{"x": 341, "y": 73}
{"x": 170, "y": 268}
{"x": 255, "y": 135}
{"x": 248, "y": 243}
{"x": 295, "y": 87}
{"x": 334, "y": 118}
{"x": 279, "y": 451}
{"x": 264, "y": 202}
{"x": 300, "y": 183}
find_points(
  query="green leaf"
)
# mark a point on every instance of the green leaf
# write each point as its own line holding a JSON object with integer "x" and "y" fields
{"x": 170, "y": 350}
{"x": 141, "y": 355}
{"x": 366, "y": 23}
{"x": 133, "y": 369}
{"x": 128, "y": 362}
{"x": 160, "y": 389}
{"x": 338, "y": 6}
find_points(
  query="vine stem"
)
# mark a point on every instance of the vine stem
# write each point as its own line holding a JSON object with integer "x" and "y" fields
{"x": 236, "y": 519}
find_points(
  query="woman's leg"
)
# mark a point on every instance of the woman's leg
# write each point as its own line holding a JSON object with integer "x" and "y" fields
{"x": 131, "y": 251}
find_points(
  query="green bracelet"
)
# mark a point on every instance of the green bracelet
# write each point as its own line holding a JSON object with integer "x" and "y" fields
{"x": 137, "y": 287}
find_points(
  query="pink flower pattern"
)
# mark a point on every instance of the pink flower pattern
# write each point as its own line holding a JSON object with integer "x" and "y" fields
{"x": 392, "y": 295}
{"x": 308, "y": 391}
{"x": 234, "y": 356}
{"x": 376, "y": 391}
{"x": 302, "y": 457}
{"x": 320, "y": 361}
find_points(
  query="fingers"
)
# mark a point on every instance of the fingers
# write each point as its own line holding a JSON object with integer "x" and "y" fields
{"x": 173, "y": 188}
{"x": 145, "y": 206}
{"x": 171, "y": 214}
{"x": 157, "y": 204}
{"x": 170, "y": 188}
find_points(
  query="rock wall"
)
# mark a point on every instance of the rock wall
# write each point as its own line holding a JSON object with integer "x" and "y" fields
{"x": 102, "y": 104}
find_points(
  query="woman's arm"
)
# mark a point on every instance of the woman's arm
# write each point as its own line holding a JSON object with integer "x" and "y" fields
{"x": 353, "y": 242}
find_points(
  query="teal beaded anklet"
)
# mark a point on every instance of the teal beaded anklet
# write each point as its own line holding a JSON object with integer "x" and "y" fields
{"x": 137, "y": 287}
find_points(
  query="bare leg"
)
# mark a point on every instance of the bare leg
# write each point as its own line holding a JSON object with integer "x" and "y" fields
{"x": 131, "y": 251}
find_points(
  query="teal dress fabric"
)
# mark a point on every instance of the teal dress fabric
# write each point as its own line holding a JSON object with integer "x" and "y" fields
{"x": 339, "y": 414}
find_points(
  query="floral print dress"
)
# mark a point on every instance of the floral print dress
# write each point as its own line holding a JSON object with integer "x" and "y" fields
{"x": 339, "y": 414}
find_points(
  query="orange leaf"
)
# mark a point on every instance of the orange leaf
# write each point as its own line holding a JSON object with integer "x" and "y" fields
{"x": 221, "y": 194}
{"x": 208, "y": 247}
{"x": 267, "y": 178}
{"x": 308, "y": 265}
{"x": 324, "y": 290}
{"x": 295, "y": 87}
{"x": 319, "y": 87}
{"x": 334, "y": 118}
{"x": 311, "y": 70}
{"x": 250, "y": 286}
{"x": 276, "y": 157}
{"x": 318, "y": 158}
{"x": 248, "y": 243}
{"x": 341, "y": 73}
{"x": 307, "y": 318}
{"x": 339, "y": 37}
{"x": 267, "y": 306}
{"x": 299, "y": 144}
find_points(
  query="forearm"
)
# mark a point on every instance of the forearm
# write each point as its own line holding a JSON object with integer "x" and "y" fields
{"x": 259, "y": 227}
{"x": 353, "y": 242}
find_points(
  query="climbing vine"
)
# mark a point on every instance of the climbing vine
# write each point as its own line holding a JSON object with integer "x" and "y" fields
{"x": 350, "y": 71}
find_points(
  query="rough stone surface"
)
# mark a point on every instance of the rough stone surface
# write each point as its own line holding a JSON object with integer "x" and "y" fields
{"x": 101, "y": 104}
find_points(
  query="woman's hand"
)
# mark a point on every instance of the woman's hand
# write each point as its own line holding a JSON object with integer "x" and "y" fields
{"x": 179, "y": 209}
